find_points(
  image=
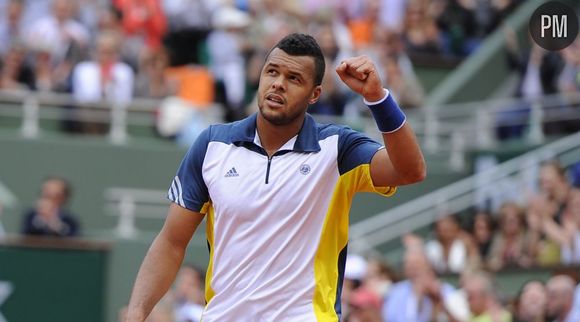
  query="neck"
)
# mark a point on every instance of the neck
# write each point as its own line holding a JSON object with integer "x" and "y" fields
{"x": 273, "y": 137}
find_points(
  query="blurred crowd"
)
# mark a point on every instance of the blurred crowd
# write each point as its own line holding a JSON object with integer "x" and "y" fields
{"x": 540, "y": 229}
{"x": 540, "y": 73}
{"x": 203, "y": 51}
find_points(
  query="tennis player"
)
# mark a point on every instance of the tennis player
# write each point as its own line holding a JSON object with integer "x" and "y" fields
{"x": 275, "y": 190}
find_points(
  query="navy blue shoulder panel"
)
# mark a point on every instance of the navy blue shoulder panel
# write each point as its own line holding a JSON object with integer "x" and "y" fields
{"x": 354, "y": 149}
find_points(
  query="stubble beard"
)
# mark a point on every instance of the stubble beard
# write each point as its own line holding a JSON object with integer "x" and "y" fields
{"x": 279, "y": 119}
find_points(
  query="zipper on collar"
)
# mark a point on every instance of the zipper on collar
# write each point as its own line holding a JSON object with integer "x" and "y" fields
{"x": 268, "y": 168}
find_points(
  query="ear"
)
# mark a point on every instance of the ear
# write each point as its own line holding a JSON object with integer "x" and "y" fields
{"x": 315, "y": 95}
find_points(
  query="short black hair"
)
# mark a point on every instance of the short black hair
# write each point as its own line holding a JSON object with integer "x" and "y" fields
{"x": 297, "y": 44}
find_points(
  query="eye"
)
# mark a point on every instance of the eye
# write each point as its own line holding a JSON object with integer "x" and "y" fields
{"x": 271, "y": 71}
{"x": 294, "y": 79}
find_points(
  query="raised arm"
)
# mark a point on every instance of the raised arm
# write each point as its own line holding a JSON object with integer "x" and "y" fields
{"x": 402, "y": 161}
{"x": 162, "y": 261}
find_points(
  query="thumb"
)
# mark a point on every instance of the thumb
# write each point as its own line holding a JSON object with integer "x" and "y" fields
{"x": 341, "y": 70}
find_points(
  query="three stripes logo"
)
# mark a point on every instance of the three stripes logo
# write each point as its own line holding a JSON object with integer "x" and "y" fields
{"x": 175, "y": 193}
{"x": 232, "y": 173}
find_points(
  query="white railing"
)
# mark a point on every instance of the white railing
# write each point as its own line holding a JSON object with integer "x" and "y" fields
{"x": 509, "y": 179}
{"x": 31, "y": 107}
{"x": 451, "y": 129}
{"x": 132, "y": 203}
{"x": 7, "y": 200}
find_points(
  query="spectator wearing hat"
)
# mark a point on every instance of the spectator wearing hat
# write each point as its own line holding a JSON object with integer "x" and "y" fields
{"x": 364, "y": 306}
{"x": 355, "y": 270}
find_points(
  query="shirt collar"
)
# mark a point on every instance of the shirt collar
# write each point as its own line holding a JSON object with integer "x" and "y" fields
{"x": 307, "y": 140}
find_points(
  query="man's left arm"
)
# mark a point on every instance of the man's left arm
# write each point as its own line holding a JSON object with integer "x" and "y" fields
{"x": 401, "y": 162}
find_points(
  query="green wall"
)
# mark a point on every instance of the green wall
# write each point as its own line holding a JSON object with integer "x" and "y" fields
{"x": 53, "y": 285}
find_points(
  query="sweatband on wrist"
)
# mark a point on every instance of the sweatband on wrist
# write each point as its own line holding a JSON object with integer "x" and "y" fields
{"x": 387, "y": 114}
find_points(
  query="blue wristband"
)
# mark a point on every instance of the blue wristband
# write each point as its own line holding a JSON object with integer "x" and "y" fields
{"x": 387, "y": 114}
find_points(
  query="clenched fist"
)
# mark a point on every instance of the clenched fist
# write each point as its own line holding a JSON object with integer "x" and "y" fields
{"x": 361, "y": 75}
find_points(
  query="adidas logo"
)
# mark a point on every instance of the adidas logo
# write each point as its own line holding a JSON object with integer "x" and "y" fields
{"x": 232, "y": 173}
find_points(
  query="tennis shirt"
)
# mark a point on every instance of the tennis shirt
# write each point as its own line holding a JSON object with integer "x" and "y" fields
{"x": 277, "y": 228}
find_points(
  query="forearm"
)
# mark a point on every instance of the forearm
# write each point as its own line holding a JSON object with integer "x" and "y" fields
{"x": 155, "y": 276}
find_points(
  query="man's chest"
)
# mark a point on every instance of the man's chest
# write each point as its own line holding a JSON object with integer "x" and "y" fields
{"x": 243, "y": 181}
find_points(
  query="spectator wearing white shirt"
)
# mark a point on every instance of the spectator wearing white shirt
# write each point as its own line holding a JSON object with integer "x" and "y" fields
{"x": 59, "y": 32}
{"x": 105, "y": 78}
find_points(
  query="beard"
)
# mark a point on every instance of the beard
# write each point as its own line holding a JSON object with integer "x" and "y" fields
{"x": 279, "y": 118}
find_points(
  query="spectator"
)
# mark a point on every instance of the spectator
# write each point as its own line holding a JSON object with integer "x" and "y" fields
{"x": 421, "y": 34}
{"x": 379, "y": 278}
{"x": 510, "y": 245}
{"x": 11, "y": 26}
{"x": 49, "y": 77}
{"x": 560, "y": 308}
{"x": 49, "y": 217}
{"x": 144, "y": 25}
{"x": 482, "y": 299}
{"x": 416, "y": 298}
{"x": 364, "y": 306}
{"x": 188, "y": 294}
{"x": 452, "y": 250}
{"x": 58, "y": 32}
{"x": 456, "y": 302}
{"x": 499, "y": 11}
{"x": 571, "y": 248}
{"x": 105, "y": 78}
{"x": 362, "y": 19}
{"x": 332, "y": 100}
{"x": 482, "y": 231}
{"x": 538, "y": 68}
{"x": 355, "y": 270}
{"x": 392, "y": 14}
{"x": 531, "y": 303}
{"x": 15, "y": 73}
{"x": 566, "y": 235}
{"x": 110, "y": 20}
{"x": 152, "y": 80}
{"x": 538, "y": 72}
{"x": 189, "y": 24}
{"x": 569, "y": 80}
{"x": 225, "y": 44}
{"x": 554, "y": 191}
{"x": 458, "y": 24}
{"x": 399, "y": 70}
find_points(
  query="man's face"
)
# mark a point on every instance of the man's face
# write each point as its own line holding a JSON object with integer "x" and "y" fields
{"x": 54, "y": 190}
{"x": 533, "y": 300}
{"x": 476, "y": 297}
{"x": 446, "y": 229}
{"x": 286, "y": 87}
{"x": 549, "y": 180}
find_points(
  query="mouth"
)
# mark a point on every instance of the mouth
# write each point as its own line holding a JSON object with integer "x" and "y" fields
{"x": 275, "y": 99}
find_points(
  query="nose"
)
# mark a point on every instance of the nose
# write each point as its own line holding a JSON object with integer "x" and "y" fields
{"x": 278, "y": 84}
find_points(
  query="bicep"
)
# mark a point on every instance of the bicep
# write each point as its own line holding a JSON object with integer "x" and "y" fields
{"x": 383, "y": 172}
{"x": 180, "y": 225}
